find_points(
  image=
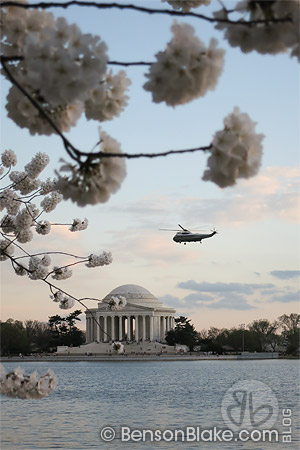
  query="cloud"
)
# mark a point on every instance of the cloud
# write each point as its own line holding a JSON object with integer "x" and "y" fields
{"x": 171, "y": 300}
{"x": 219, "y": 287}
{"x": 286, "y": 298}
{"x": 197, "y": 297}
{"x": 274, "y": 193}
{"x": 193, "y": 302}
{"x": 285, "y": 274}
{"x": 232, "y": 301}
{"x": 270, "y": 291}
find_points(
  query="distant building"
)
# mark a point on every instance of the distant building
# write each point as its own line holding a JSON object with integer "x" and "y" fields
{"x": 143, "y": 318}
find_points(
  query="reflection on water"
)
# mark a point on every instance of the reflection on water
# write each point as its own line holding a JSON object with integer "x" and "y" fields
{"x": 152, "y": 395}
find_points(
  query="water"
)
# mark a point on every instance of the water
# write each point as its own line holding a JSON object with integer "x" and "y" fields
{"x": 152, "y": 395}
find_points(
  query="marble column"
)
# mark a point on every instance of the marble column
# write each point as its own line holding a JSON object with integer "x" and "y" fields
{"x": 144, "y": 328}
{"x": 158, "y": 327}
{"x": 112, "y": 321}
{"x": 92, "y": 329}
{"x": 128, "y": 328}
{"x": 163, "y": 328}
{"x": 87, "y": 333}
{"x": 136, "y": 328}
{"x": 151, "y": 328}
{"x": 120, "y": 329}
{"x": 98, "y": 328}
{"x": 105, "y": 329}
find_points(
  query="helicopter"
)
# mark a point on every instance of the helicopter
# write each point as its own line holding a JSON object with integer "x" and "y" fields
{"x": 187, "y": 236}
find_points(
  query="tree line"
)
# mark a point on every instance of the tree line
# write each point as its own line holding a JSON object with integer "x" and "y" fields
{"x": 32, "y": 336}
{"x": 259, "y": 336}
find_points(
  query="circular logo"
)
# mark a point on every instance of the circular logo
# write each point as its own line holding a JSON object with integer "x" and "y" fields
{"x": 107, "y": 434}
{"x": 248, "y": 405}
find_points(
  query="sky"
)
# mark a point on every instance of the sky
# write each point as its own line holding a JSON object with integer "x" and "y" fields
{"x": 250, "y": 269}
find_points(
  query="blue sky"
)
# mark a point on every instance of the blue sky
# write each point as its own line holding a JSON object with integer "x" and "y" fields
{"x": 250, "y": 269}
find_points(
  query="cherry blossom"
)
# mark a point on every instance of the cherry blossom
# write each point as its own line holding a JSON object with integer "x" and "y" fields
{"x": 79, "y": 225}
{"x": 6, "y": 249}
{"x": 107, "y": 100}
{"x": 118, "y": 347}
{"x": 117, "y": 303}
{"x": 263, "y": 37}
{"x": 34, "y": 386}
{"x": 94, "y": 183}
{"x": 236, "y": 151}
{"x": 8, "y": 158}
{"x": 61, "y": 273}
{"x": 187, "y": 5}
{"x": 186, "y": 70}
{"x": 103, "y": 259}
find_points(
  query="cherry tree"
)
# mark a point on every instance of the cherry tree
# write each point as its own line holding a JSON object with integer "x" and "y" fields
{"x": 58, "y": 73}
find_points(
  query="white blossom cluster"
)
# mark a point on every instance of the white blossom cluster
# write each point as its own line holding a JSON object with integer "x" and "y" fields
{"x": 8, "y": 158}
{"x": 38, "y": 267}
{"x": 43, "y": 227}
{"x": 64, "y": 300}
{"x": 61, "y": 273}
{"x": 108, "y": 99}
{"x": 6, "y": 249}
{"x": 34, "y": 386}
{"x": 117, "y": 347}
{"x": 264, "y": 37}
{"x": 79, "y": 225}
{"x": 104, "y": 259}
{"x": 186, "y": 70}
{"x": 48, "y": 186}
{"x": 63, "y": 69}
{"x": 187, "y": 5}
{"x": 9, "y": 200}
{"x": 50, "y": 202}
{"x": 95, "y": 182}
{"x": 23, "y": 182}
{"x": 236, "y": 151}
{"x": 21, "y": 216}
{"x": 20, "y": 270}
{"x": 37, "y": 165}
{"x": 117, "y": 303}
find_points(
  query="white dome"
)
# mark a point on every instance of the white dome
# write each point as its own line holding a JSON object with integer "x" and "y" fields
{"x": 134, "y": 294}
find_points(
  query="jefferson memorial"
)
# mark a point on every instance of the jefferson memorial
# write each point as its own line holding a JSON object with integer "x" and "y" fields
{"x": 143, "y": 318}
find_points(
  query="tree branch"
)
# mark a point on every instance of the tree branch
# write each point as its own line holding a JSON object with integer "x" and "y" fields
{"x": 127, "y": 64}
{"x": 79, "y": 154}
{"x": 52, "y": 286}
{"x": 169, "y": 12}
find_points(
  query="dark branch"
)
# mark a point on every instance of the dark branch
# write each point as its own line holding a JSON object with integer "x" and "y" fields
{"x": 170, "y": 12}
{"x": 147, "y": 155}
{"x": 127, "y": 64}
{"x": 76, "y": 154}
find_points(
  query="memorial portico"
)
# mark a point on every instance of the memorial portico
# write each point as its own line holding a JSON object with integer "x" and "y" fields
{"x": 143, "y": 318}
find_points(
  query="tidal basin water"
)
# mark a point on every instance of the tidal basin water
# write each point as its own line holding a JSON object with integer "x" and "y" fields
{"x": 143, "y": 395}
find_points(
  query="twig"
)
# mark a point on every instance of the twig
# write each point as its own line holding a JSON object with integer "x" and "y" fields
{"x": 169, "y": 12}
{"x": 52, "y": 286}
{"x": 127, "y": 64}
{"x": 79, "y": 154}
{"x": 147, "y": 155}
